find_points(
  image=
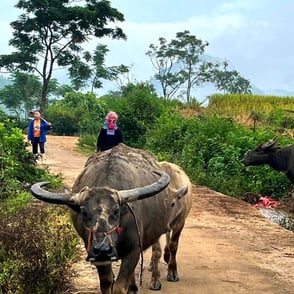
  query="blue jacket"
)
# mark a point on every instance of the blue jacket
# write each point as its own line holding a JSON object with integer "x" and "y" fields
{"x": 43, "y": 128}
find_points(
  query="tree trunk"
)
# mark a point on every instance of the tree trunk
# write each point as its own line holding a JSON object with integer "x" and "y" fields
{"x": 43, "y": 102}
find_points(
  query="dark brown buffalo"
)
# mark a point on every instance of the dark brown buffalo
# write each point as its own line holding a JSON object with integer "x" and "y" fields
{"x": 271, "y": 153}
{"x": 121, "y": 203}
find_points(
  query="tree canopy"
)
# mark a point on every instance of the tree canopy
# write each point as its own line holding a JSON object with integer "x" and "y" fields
{"x": 91, "y": 69}
{"x": 50, "y": 33}
{"x": 230, "y": 81}
{"x": 181, "y": 66}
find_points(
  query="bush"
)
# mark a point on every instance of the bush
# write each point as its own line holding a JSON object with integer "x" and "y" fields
{"x": 18, "y": 165}
{"x": 36, "y": 247}
{"x": 211, "y": 150}
{"x": 137, "y": 109}
{"x": 28, "y": 249}
{"x": 76, "y": 114}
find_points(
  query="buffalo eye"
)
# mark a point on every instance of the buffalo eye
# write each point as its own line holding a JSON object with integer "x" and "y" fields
{"x": 115, "y": 212}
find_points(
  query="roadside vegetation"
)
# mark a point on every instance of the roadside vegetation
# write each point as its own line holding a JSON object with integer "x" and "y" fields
{"x": 38, "y": 244}
{"x": 209, "y": 143}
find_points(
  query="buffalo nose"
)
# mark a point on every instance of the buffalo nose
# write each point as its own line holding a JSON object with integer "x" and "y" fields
{"x": 105, "y": 248}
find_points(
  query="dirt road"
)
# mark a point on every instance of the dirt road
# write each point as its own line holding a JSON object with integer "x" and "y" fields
{"x": 226, "y": 246}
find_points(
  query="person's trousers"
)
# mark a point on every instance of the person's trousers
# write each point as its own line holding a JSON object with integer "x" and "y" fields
{"x": 37, "y": 143}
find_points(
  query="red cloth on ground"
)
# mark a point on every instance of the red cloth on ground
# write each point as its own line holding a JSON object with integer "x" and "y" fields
{"x": 267, "y": 202}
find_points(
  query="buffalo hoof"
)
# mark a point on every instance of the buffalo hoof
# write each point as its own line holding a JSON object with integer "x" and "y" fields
{"x": 155, "y": 285}
{"x": 172, "y": 277}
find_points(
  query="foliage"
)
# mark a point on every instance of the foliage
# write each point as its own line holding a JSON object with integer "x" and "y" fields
{"x": 208, "y": 146}
{"x": 178, "y": 64}
{"x": 170, "y": 127}
{"x": 92, "y": 69}
{"x": 87, "y": 143}
{"x": 36, "y": 247}
{"x": 76, "y": 114}
{"x": 211, "y": 149}
{"x": 17, "y": 165}
{"x": 137, "y": 106}
{"x": 137, "y": 109}
{"x": 280, "y": 118}
{"x": 22, "y": 94}
{"x": 3, "y": 115}
{"x": 28, "y": 259}
{"x": 230, "y": 81}
{"x": 50, "y": 33}
{"x": 235, "y": 105}
{"x": 181, "y": 65}
{"x": 276, "y": 112}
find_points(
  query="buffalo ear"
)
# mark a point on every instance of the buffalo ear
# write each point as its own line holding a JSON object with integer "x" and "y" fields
{"x": 181, "y": 192}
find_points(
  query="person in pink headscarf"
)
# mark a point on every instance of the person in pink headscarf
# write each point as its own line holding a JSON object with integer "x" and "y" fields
{"x": 110, "y": 134}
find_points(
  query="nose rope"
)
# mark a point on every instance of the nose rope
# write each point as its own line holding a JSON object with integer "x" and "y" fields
{"x": 90, "y": 238}
{"x": 140, "y": 243}
{"x": 106, "y": 235}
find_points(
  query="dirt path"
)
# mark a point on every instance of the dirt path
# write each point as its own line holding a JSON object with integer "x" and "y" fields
{"x": 226, "y": 246}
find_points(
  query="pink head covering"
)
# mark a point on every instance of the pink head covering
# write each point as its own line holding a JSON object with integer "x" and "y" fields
{"x": 111, "y": 119}
{"x": 111, "y": 115}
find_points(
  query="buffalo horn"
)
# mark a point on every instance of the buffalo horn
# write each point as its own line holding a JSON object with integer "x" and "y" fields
{"x": 50, "y": 197}
{"x": 146, "y": 191}
{"x": 270, "y": 143}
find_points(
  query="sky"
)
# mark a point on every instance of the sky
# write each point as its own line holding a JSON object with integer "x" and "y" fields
{"x": 255, "y": 36}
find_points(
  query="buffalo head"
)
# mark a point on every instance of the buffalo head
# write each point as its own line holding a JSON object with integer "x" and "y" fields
{"x": 262, "y": 153}
{"x": 98, "y": 213}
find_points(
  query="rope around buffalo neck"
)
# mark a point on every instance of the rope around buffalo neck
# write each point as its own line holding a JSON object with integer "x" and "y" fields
{"x": 140, "y": 243}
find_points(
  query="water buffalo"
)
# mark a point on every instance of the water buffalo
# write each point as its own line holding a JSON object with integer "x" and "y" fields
{"x": 271, "y": 153}
{"x": 119, "y": 207}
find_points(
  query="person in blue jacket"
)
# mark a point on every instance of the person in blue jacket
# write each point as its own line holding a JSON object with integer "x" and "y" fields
{"x": 37, "y": 133}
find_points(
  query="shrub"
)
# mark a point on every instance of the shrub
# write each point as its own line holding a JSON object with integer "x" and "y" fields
{"x": 76, "y": 114}
{"x": 17, "y": 164}
{"x": 36, "y": 248}
{"x": 211, "y": 149}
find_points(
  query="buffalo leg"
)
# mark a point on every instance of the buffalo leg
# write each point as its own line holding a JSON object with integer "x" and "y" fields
{"x": 133, "y": 289}
{"x": 125, "y": 282}
{"x": 106, "y": 278}
{"x": 170, "y": 252}
{"x": 155, "y": 283}
{"x": 166, "y": 255}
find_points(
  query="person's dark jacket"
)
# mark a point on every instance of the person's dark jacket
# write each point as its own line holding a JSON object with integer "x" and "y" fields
{"x": 106, "y": 141}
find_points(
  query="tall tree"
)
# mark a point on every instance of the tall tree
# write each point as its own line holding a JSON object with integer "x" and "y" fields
{"x": 23, "y": 93}
{"x": 230, "y": 81}
{"x": 51, "y": 32}
{"x": 91, "y": 69}
{"x": 179, "y": 64}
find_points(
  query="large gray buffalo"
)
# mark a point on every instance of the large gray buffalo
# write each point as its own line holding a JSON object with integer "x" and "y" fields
{"x": 271, "y": 153}
{"x": 121, "y": 203}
